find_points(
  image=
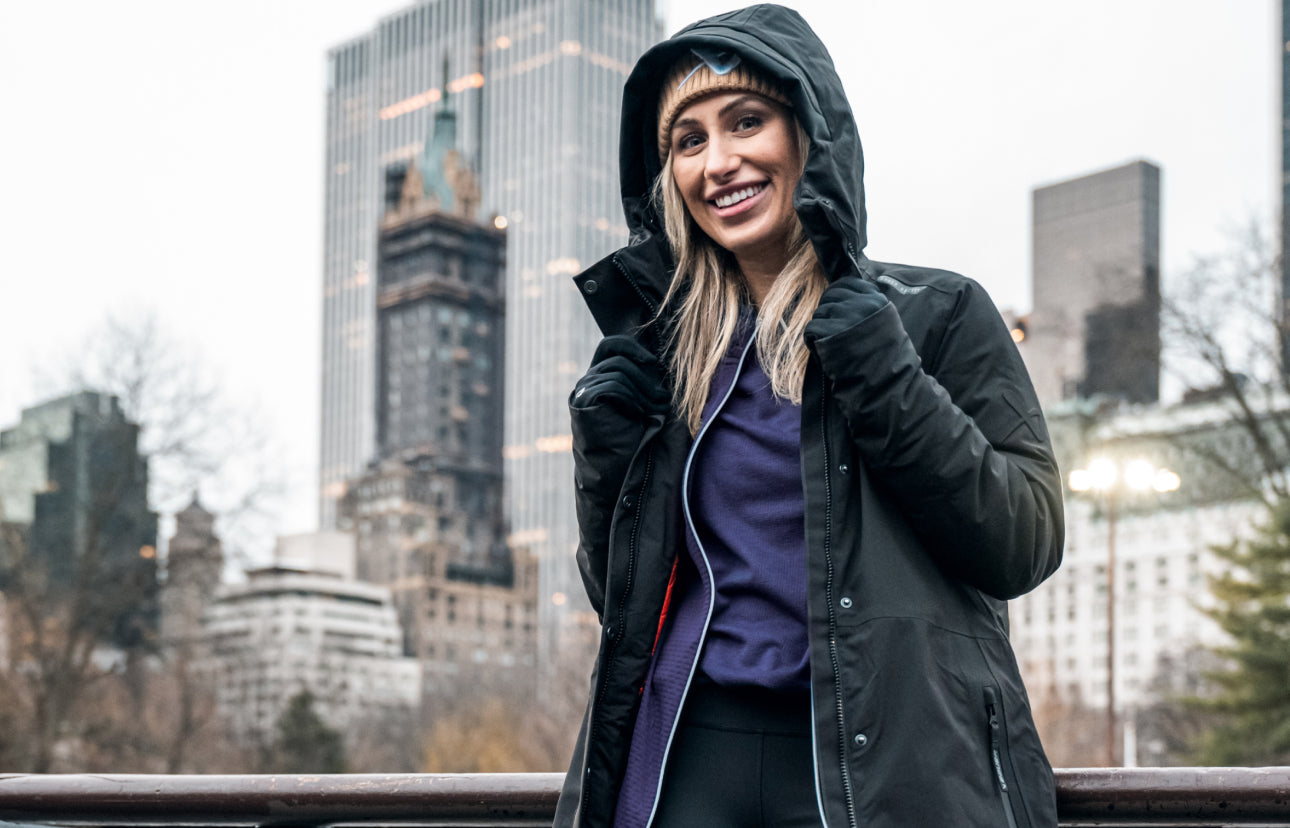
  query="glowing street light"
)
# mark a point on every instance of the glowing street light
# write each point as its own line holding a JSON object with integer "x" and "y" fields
{"x": 1105, "y": 477}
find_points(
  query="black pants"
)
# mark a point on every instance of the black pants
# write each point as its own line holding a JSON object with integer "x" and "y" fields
{"x": 741, "y": 758}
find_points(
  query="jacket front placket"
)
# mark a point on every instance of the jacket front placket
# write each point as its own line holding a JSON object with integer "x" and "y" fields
{"x": 689, "y": 628}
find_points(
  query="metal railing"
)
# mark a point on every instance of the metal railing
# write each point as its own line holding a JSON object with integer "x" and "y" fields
{"x": 1180, "y": 797}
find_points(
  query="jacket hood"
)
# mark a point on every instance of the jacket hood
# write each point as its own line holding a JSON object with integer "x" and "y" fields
{"x": 779, "y": 45}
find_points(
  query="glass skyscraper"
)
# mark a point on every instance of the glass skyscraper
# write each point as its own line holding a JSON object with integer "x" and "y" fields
{"x": 1095, "y": 326}
{"x": 537, "y": 87}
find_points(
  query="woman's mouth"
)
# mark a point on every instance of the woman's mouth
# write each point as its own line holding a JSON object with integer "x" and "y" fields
{"x": 738, "y": 200}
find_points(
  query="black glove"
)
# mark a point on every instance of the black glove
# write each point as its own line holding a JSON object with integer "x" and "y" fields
{"x": 624, "y": 375}
{"x": 845, "y": 303}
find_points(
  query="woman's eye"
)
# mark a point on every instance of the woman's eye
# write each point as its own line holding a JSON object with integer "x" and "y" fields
{"x": 688, "y": 141}
{"x": 747, "y": 122}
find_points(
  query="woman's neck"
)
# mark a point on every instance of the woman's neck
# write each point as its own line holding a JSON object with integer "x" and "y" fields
{"x": 758, "y": 277}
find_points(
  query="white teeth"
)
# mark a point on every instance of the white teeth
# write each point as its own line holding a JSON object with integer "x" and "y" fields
{"x": 736, "y": 197}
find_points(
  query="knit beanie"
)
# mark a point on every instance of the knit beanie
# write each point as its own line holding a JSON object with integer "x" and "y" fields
{"x": 700, "y": 74}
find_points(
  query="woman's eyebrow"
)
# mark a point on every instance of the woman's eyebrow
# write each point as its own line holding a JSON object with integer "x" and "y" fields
{"x": 682, "y": 123}
{"x": 737, "y": 102}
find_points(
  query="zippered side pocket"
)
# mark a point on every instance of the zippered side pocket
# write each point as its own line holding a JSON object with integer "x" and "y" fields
{"x": 994, "y": 715}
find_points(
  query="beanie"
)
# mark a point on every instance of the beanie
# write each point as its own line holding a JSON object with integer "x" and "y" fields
{"x": 701, "y": 74}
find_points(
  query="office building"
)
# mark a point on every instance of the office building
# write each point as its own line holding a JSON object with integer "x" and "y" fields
{"x": 1094, "y": 329}
{"x": 468, "y": 610}
{"x": 536, "y": 88}
{"x": 74, "y": 502}
{"x": 441, "y": 316}
{"x": 1163, "y": 559}
{"x": 429, "y": 513}
{"x": 305, "y": 623}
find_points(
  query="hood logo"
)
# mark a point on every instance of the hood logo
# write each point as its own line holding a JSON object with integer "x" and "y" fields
{"x": 721, "y": 63}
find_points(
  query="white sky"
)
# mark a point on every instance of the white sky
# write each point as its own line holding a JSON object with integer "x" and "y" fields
{"x": 168, "y": 156}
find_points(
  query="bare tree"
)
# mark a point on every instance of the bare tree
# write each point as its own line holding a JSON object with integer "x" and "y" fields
{"x": 84, "y": 666}
{"x": 80, "y": 593}
{"x": 1170, "y": 723}
{"x": 1226, "y": 331}
{"x": 194, "y": 436}
{"x": 1229, "y": 325}
{"x": 1071, "y": 731}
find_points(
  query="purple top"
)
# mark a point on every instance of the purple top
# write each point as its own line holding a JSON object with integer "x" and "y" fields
{"x": 749, "y": 507}
{"x": 746, "y": 502}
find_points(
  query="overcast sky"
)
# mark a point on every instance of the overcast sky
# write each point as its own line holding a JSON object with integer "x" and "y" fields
{"x": 167, "y": 156}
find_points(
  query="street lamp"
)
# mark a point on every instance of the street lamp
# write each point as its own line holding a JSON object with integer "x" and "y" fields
{"x": 1105, "y": 477}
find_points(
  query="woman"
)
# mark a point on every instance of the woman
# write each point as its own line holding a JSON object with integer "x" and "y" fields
{"x": 807, "y": 482}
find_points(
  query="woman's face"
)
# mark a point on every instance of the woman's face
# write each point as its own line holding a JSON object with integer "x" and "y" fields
{"x": 736, "y": 161}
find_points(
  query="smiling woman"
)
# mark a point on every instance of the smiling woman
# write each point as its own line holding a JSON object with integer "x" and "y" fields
{"x": 768, "y": 657}
{"x": 736, "y": 162}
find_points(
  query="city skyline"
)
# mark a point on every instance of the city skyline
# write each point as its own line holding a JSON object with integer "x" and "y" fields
{"x": 534, "y": 89}
{"x": 230, "y": 258}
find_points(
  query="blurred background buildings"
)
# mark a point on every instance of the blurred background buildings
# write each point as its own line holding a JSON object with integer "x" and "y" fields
{"x": 535, "y": 87}
{"x": 1094, "y": 328}
{"x": 307, "y": 624}
{"x": 470, "y": 170}
{"x": 74, "y": 495}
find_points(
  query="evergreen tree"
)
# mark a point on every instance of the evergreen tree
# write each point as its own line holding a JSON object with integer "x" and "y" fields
{"x": 1252, "y": 605}
{"x": 305, "y": 743}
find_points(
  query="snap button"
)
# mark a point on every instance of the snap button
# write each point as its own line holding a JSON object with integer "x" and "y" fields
{"x": 844, "y": 468}
{"x": 845, "y": 602}
{"x": 861, "y": 740}
{"x": 590, "y": 286}
{"x": 627, "y": 501}
{"x": 609, "y": 631}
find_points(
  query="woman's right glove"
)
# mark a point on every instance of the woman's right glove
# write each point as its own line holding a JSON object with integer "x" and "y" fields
{"x": 625, "y": 376}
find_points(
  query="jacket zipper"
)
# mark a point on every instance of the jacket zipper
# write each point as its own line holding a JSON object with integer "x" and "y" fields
{"x": 653, "y": 309}
{"x": 689, "y": 525}
{"x": 616, "y": 635}
{"x": 828, "y": 596}
{"x": 996, "y": 755}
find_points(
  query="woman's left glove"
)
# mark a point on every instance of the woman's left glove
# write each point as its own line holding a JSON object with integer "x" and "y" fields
{"x": 610, "y": 409}
{"x": 846, "y": 302}
{"x": 625, "y": 376}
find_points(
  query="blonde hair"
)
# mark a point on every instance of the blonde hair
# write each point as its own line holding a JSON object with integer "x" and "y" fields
{"x": 705, "y": 322}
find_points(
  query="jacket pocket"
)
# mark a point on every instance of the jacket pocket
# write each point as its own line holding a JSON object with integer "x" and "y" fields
{"x": 998, "y": 739}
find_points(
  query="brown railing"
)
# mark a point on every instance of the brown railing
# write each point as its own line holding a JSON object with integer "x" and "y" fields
{"x": 1180, "y": 797}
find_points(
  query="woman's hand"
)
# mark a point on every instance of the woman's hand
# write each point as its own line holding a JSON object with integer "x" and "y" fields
{"x": 611, "y": 409}
{"x": 625, "y": 376}
{"x": 846, "y": 302}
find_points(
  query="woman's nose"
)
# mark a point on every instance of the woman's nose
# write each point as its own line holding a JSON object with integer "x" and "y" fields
{"x": 722, "y": 159}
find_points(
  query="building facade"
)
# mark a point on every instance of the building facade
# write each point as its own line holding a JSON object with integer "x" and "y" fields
{"x": 74, "y": 501}
{"x": 536, "y": 86}
{"x": 305, "y": 623}
{"x": 467, "y": 606}
{"x": 1095, "y": 325}
{"x": 1163, "y": 559}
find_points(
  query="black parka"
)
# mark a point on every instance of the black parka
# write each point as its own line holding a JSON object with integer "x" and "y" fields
{"x": 931, "y": 496}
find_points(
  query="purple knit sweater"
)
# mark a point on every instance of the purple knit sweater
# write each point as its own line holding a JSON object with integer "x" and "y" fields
{"x": 741, "y": 591}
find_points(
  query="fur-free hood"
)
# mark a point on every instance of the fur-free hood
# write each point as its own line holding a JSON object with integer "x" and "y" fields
{"x": 780, "y": 46}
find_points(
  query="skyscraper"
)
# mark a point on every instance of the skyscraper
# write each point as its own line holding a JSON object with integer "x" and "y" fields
{"x": 74, "y": 502}
{"x": 1095, "y": 325}
{"x": 537, "y": 87}
{"x": 429, "y": 515}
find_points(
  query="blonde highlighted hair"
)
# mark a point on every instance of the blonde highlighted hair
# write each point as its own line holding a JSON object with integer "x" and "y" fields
{"x": 706, "y": 319}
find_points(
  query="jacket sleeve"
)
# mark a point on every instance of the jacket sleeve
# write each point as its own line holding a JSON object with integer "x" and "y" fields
{"x": 604, "y": 445}
{"x": 958, "y": 440}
